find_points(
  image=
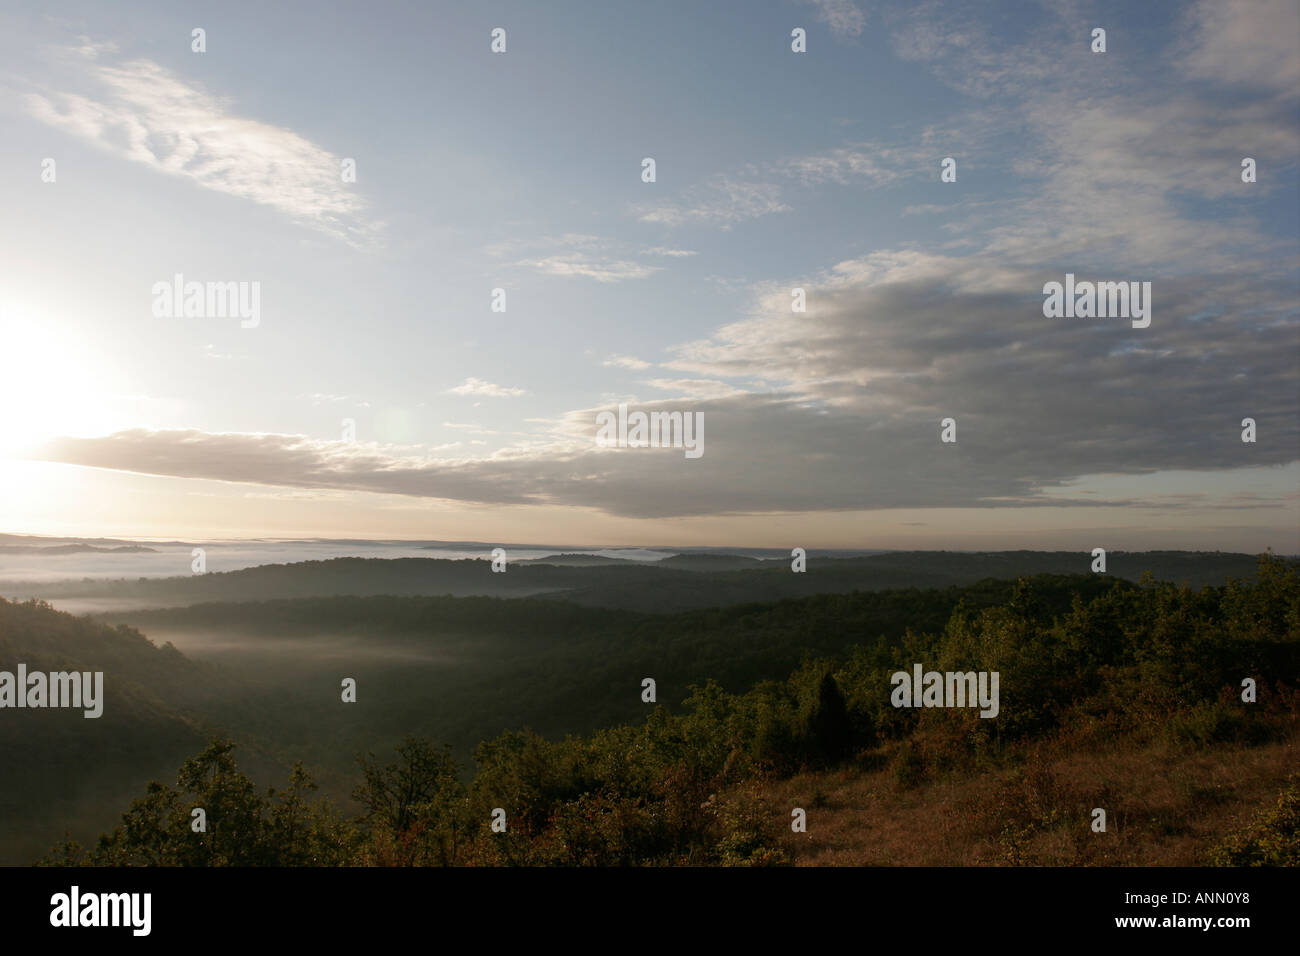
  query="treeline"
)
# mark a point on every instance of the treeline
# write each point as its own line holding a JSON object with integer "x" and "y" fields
{"x": 550, "y": 665}
{"x": 681, "y": 583}
{"x": 47, "y": 752}
{"x": 1156, "y": 662}
{"x": 459, "y": 670}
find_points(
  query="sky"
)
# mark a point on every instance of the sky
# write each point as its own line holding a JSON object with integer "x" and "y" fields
{"x": 774, "y": 170}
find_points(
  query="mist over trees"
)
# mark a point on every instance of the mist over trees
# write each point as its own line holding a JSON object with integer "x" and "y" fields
{"x": 1154, "y": 671}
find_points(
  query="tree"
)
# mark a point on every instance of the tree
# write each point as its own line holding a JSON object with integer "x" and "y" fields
{"x": 828, "y": 731}
{"x": 414, "y": 806}
{"x": 232, "y": 807}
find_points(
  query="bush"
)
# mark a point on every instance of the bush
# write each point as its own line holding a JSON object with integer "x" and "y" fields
{"x": 1272, "y": 839}
{"x": 1205, "y": 724}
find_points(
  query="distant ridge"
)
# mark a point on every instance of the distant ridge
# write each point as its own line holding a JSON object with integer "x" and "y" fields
{"x": 579, "y": 560}
{"x": 74, "y": 549}
{"x": 681, "y": 582}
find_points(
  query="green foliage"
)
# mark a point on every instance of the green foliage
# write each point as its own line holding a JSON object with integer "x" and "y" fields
{"x": 908, "y": 766}
{"x": 748, "y": 826}
{"x": 1206, "y": 724}
{"x": 825, "y": 731}
{"x": 685, "y": 784}
{"x": 1273, "y": 839}
{"x": 415, "y": 811}
{"x": 241, "y": 827}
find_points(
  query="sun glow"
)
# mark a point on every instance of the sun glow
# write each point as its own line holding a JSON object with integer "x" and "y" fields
{"x": 49, "y": 386}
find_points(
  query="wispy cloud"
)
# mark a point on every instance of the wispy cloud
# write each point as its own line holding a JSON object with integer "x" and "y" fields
{"x": 761, "y": 189}
{"x": 145, "y": 113}
{"x": 664, "y": 251}
{"x": 842, "y": 16}
{"x": 695, "y": 388}
{"x": 722, "y": 201}
{"x": 468, "y": 426}
{"x": 574, "y": 255}
{"x": 1250, "y": 44}
{"x": 866, "y": 165}
{"x": 625, "y": 361}
{"x": 582, "y": 265}
{"x": 476, "y": 386}
{"x": 1150, "y": 148}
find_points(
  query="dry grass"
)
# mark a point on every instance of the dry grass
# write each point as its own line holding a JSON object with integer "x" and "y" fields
{"x": 1165, "y": 806}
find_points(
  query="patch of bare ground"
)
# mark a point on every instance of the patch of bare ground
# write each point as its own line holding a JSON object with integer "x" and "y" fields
{"x": 1165, "y": 806}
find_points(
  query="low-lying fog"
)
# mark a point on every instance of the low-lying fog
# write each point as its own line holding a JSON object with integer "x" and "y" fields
{"x": 104, "y": 605}
{"x": 174, "y": 559}
{"x": 223, "y": 645}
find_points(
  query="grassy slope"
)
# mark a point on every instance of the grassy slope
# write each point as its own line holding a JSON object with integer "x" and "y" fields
{"x": 1166, "y": 806}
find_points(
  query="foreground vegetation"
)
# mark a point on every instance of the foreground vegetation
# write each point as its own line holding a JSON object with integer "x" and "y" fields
{"x": 1127, "y": 698}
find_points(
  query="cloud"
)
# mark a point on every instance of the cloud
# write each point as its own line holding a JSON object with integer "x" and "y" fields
{"x": 142, "y": 112}
{"x": 662, "y": 251}
{"x": 280, "y": 460}
{"x": 625, "y": 361}
{"x": 926, "y": 209}
{"x": 1152, "y": 144}
{"x": 1251, "y": 44}
{"x": 694, "y": 388}
{"x": 515, "y": 246}
{"x": 849, "y": 417}
{"x": 848, "y": 164}
{"x": 584, "y": 266}
{"x": 759, "y": 189}
{"x": 476, "y": 386}
{"x": 839, "y": 408}
{"x": 842, "y": 16}
{"x": 722, "y": 201}
{"x": 317, "y": 398}
{"x": 574, "y": 255}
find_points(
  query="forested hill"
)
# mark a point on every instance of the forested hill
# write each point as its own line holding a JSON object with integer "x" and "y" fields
{"x": 679, "y": 583}
{"x": 59, "y": 765}
{"x": 1172, "y": 710}
{"x": 460, "y": 670}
